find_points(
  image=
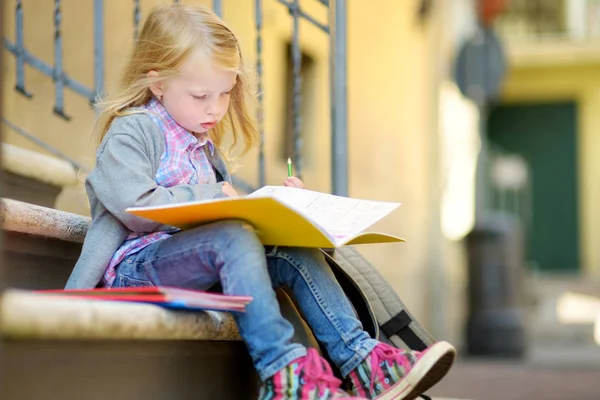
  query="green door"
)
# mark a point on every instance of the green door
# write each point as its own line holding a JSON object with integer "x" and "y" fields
{"x": 545, "y": 135}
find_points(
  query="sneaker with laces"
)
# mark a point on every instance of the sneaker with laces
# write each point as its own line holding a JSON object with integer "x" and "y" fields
{"x": 309, "y": 377}
{"x": 389, "y": 373}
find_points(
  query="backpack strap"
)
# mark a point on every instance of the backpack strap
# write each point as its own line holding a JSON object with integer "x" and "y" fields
{"x": 400, "y": 325}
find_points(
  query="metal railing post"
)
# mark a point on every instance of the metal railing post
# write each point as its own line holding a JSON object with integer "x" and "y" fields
{"x": 58, "y": 73}
{"x": 136, "y": 18}
{"x": 98, "y": 47}
{"x": 260, "y": 110}
{"x": 20, "y": 50}
{"x": 218, "y": 8}
{"x": 338, "y": 97}
{"x": 297, "y": 88}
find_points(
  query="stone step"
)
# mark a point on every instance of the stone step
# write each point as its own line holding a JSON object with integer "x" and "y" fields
{"x": 559, "y": 283}
{"x": 27, "y": 315}
{"x": 72, "y": 346}
{"x": 41, "y": 244}
{"x": 564, "y": 312}
{"x": 557, "y": 355}
{"x": 33, "y": 177}
{"x": 126, "y": 369}
{"x": 43, "y": 222}
{"x": 561, "y": 333}
{"x": 80, "y": 348}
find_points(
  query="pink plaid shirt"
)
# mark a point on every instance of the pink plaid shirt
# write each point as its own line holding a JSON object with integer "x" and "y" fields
{"x": 183, "y": 162}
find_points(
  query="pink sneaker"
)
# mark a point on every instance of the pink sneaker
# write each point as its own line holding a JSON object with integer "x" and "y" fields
{"x": 389, "y": 373}
{"x": 309, "y": 377}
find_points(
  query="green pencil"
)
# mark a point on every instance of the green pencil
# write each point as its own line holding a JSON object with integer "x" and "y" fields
{"x": 289, "y": 166}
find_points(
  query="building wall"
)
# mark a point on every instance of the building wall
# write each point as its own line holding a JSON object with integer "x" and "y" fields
{"x": 394, "y": 69}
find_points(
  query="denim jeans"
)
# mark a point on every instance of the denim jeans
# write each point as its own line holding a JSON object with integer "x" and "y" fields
{"x": 231, "y": 253}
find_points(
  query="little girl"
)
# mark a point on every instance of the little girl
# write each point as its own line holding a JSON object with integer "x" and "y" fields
{"x": 161, "y": 137}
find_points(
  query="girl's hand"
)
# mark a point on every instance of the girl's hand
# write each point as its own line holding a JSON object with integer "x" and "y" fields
{"x": 292, "y": 181}
{"x": 228, "y": 190}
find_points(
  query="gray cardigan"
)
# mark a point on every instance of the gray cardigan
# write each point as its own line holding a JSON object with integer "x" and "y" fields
{"x": 126, "y": 163}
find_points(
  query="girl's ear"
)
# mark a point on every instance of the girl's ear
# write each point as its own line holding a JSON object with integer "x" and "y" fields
{"x": 155, "y": 87}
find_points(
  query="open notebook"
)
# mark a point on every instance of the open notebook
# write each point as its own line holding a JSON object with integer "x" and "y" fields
{"x": 285, "y": 216}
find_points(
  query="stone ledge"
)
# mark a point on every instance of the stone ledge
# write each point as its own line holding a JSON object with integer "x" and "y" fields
{"x": 18, "y": 216}
{"x": 38, "y": 166}
{"x": 30, "y": 316}
{"x": 26, "y": 315}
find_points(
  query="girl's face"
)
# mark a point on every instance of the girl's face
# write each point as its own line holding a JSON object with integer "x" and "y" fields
{"x": 198, "y": 98}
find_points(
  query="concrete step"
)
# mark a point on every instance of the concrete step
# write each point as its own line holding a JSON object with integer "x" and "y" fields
{"x": 26, "y": 315}
{"x": 564, "y": 311}
{"x": 41, "y": 245}
{"x": 78, "y": 348}
{"x": 492, "y": 379}
{"x": 33, "y": 177}
{"x": 562, "y": 334}
{"x": 72, "y": 347}
{"x": 125, "y": 370}
{"x": 555, "y": 355}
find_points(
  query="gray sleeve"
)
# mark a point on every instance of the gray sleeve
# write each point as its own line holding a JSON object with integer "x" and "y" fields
{"x": 123, "y": 178}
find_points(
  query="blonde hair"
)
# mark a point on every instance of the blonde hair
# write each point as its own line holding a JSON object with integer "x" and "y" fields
{"x": 169, "y": 36}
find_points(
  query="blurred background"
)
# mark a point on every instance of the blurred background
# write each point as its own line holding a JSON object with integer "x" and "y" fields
{"x": 481, "y": 116}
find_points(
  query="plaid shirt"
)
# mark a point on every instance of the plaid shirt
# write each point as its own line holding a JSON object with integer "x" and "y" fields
{"x": 184, "y": 162}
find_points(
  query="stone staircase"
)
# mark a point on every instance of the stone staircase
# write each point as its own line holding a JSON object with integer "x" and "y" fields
{"x": 85, "y": 349}
{"x": 34, "y": 177}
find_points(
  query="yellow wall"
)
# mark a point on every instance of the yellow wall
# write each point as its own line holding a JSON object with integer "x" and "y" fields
{"x": 392, "y": 113}
{"x": 580, "y": 83}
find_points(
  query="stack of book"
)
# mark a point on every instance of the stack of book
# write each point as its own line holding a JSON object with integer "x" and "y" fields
{"x": 163, "y": 296}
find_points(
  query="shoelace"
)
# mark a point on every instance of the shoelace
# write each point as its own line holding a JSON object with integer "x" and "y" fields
{"x": 318, "y": 373}
{"x": 384, "y": 352}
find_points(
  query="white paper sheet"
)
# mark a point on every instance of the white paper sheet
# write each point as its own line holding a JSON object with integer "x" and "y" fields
{"x": 341, "y": 217}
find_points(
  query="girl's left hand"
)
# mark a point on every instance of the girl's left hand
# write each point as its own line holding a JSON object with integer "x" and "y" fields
{"x": 292, "y": 181}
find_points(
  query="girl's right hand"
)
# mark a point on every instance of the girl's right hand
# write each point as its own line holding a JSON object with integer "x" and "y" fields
{"x": 228, "y": 190}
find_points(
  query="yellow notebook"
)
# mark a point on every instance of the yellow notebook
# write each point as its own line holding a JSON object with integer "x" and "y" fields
{"x": 285, "y": 216}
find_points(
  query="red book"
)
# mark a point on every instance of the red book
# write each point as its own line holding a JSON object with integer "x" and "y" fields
{"x": 169, "y": 297}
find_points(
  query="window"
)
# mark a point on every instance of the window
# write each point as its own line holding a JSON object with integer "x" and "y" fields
{"x": 533, "y": 18}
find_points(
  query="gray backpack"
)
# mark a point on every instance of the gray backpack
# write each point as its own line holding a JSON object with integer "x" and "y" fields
{"x": 379, "y": 308}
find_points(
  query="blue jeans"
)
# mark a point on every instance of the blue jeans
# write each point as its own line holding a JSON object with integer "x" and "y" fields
{"x": 231, "y": 253}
